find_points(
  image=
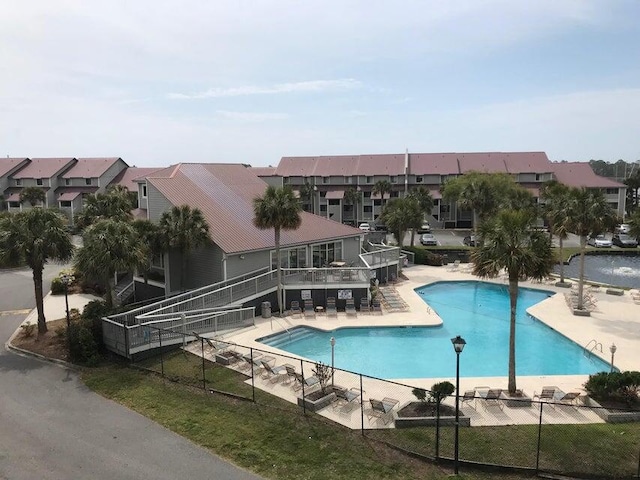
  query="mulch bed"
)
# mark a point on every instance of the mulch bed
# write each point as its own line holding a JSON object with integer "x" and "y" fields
{"x": 424, "y": 409}
{"x": 50, "y": 344}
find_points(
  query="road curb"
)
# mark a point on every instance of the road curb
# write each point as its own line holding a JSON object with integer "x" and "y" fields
{"x": 27, "y": 353}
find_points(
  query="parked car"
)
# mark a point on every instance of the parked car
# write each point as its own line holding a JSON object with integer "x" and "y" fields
{"x": 428, "y": 239}
{"x": 599, "y": 241}
{"x": 470, "y": 240}
{"x": 623, "y": 240}
{"x": 622, "y": 228}
{"x": 365, "y": 227}
{"x": 380, "y": 227}
{"x": 425, "y": 228}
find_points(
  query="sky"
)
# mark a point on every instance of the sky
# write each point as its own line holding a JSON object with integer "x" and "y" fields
{"x": 162, "y": 82}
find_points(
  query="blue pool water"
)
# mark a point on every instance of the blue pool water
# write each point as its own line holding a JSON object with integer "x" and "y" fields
{"x": 477, "y": 311}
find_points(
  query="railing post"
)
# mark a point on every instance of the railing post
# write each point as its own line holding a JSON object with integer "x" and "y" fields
{"x": 304, "y": 406}
{"x": 539, "y": 439}
{"x": 253, "y": 384}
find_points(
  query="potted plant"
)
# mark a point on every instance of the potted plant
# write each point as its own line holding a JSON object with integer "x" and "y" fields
{"x": 428, "y": 409}
{"x": 318, "y": 399}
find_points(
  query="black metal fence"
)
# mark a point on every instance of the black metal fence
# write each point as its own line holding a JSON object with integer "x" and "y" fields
{"x": 565, "y": 437}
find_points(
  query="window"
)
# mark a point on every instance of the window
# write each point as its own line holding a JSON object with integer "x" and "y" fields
{"x": 367, "y": 194}
{"x": 39, "y": 182}
{"x": 14, "y": 204}
{"x": 290, "y": 258}
{"x": 538, "y": 177}
{"x": 323, "y": 194}
{"x": 325, "y": 179}
{"x": 348, "y": 208}
{"x": 368, "y": 209}
{"x": 369, "y": 179}
{"x": 347, "y": 180}
{"x": 18, "y": 182}
{"x": 611, "y": 191}
{"x": 67, "y": 181}
{"x": 419, "y": 179}
{"x": 323, "y": 208}
{"x": 144, "y": 191}
{"x": 157, "y": 261}
{"x": 87, "y": 181}
{"x": 395, "y": 194}
{"x": 377, "y": 203}
{"x": 65, "y": 204}
{"x": 326, "y": 253}
{"x": 393, "y": 179}
{"x": 286, "y": 181}
{"x": 334, "y": 202}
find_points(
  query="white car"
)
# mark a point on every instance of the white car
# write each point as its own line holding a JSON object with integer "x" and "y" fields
{"x": 599, "y": 241}
{"x": 623, "y": 228}
{"x": 365, "y": 227}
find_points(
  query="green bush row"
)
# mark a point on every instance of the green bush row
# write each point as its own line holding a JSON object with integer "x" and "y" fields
{"x": 425, "y": 257}
{"x": 617, "y": 386}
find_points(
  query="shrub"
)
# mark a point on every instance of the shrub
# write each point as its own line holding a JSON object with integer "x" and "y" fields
{"x": 439, "y": 391}
{"x": 324, "y": 374}
{"x": 83, "y": 348}
{"x": 615, "y": 386}
{"x": 28, "y": 329}
{"x": 57, "y": 287}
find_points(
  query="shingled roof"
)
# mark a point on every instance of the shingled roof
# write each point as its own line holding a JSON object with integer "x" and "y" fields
{"x": 580, "y": 174}
{"x": 44, "y": 167}
{"x": 90, "y": 167}
{"x": 224, "y": 193}
{"x": 129, "y": 176}
{"x": 347, "y": 165}
{"x": 8, "y": 164}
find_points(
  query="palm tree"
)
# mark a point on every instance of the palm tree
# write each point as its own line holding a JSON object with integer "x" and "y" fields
{"x": 33, "y": 195}
{"x": 634, "y": 224}
{"x": 556, "y": 197}
{"x": 482, "y": 193}
{"x": 151, "y": 237}
{"x": 353, "y": 197}
{"x": 588, "y": 213}
{"x": 510, "y": 243}
{"x": 116, "y": 204}
{"x": 381, "y": 187}
{"x": 425, "y": 200}
{"x": 184, "y": 229}
{"x": 279, "y": 209}
{"x": 109, "y": 246}
{"x": 400, "y": 215}
{"x": 37, "y": 235}
{"x": 308, "y": 193}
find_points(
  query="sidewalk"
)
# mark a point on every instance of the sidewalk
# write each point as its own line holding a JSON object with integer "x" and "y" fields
{"x": 55, "y": 308}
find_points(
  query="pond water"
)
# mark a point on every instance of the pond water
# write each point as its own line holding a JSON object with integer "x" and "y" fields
{"x": 622, "y": 270}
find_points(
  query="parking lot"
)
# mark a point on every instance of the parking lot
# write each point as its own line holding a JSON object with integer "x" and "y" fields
{"x": 455, "y": 237}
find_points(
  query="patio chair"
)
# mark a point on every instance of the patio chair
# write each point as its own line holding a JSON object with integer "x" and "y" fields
{"x": 309, "y": 309}
{"x": 346, "y": 398}
{"x": 492, "y": 399}
{"x": 350, "y": 308}
{"x": 307, "y": 382}
{"x": 566, "y": 399}
{"x": 376, "y": 307}
{"x": 454, "y": 266}
{"x": 548, "y": 393}
{"x": 365, "y": 307}
{"x": 332, "y": 311}
{"x": 273, "y": 374}
{"x": 295, "y": 308}
{"x": 382, "y": 409}
{"x": 468, "y": 397}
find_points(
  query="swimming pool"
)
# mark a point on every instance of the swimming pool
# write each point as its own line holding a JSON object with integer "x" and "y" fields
{"x": 478, "y": 311}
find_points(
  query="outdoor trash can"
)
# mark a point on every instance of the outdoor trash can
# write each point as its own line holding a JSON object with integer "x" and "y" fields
{"x": 266, "y": 309}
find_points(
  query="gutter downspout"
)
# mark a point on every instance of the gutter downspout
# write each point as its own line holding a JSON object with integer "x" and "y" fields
{"x": 224, "y": 267}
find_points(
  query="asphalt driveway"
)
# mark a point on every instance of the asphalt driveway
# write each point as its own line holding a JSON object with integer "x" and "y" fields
{"x": 53, "y": 427}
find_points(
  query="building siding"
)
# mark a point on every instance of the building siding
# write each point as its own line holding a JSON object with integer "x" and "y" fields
{"x": 252, "y": 261}
{"x": 157, "y": 205}
{"x": 112, "y": 172}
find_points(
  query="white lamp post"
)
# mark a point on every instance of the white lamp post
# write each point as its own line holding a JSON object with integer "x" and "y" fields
{"x": 612, "y": 349}
{"x": 66, "y": 281}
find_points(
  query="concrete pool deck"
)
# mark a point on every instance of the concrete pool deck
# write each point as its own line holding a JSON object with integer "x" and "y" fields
{"x": 615, "y": 319}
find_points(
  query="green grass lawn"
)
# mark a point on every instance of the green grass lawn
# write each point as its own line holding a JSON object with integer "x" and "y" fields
{"x": 274, "y": 439}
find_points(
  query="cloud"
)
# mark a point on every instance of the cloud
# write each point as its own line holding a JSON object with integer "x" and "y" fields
{"x": 252, "y": 116}
{"x": 313, "y": 86}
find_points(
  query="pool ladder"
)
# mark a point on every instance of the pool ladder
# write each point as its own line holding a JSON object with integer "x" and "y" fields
{"x": 594, "y": 344}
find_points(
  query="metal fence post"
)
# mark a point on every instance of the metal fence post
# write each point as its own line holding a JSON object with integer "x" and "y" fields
{"x": 253, "y": 380}
{"x": 437, "y": 427}
{"x": 204, "y": 378}
{"x": 161, "y": 354}
{"x": 539, "y": 438}
{"x": 304, "y": 406}
{"x": 361, "y": 405}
